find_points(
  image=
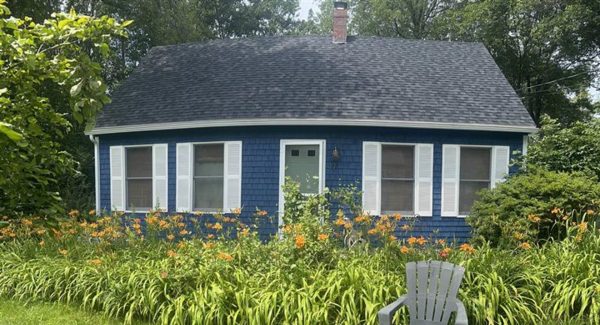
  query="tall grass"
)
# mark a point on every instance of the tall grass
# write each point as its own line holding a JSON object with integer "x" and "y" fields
{"x": 310, "y": 281}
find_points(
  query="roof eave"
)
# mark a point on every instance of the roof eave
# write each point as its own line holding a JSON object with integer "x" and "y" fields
{"x": 308, "y": 122}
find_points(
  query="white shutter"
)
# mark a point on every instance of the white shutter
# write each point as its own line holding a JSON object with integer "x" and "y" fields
{"x": 500, "y": 161}
{"x": 117, "y": 178}
{"x": 423, "y": 179}
{"x": 450, "y": 179}
{"x": 159, "y": 176}
{"x": 232, "y": 186}
{"x": 184, "y": 170}
{"x": 371, "y": 179}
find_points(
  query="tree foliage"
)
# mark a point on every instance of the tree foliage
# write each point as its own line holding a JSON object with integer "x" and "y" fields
{"x": 548, "y": 50}
{"x": 576, "y": 148}
{"x": 49, "y": 83}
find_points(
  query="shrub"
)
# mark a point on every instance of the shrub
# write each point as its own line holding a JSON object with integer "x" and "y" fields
{"x": 575, "y": 148}
{"x": 532, "y": 206}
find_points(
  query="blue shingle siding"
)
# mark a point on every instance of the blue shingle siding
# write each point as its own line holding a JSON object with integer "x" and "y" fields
{"x": 260, "y": 162}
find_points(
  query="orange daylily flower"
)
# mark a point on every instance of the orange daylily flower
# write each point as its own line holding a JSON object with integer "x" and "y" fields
{"x": 225, "y": 257}
{"x": 96, "y": 262}
{"x": 525, "y": 245}
{"x": 467, "y": 248}
{"x": 323, "y": 237}
{"x": 299, "y": 241}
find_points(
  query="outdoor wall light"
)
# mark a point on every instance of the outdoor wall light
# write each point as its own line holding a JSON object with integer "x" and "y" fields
{"x": 336, "y": 155}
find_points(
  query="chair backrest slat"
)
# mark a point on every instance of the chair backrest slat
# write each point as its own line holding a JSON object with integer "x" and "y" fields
{"x": 422, "y": 286}
{"x": 440, "y": 300}
{"x": 411, "y": 287}
{"x": 457, "y": 276}
{"x": 432, "y": 289}
{"x": 434, "y": 278}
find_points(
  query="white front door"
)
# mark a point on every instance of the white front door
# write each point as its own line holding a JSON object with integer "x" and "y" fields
{"x": 303, "y": 161}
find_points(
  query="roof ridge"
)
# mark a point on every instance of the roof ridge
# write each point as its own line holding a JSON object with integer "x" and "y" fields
{"x": 352, "y": 38}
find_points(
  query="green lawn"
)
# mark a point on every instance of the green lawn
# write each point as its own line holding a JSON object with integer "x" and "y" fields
{"x": 33, "y": 313}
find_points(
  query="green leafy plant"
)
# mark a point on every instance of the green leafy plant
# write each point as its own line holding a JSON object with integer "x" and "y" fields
{"x": 533, "y": 206}
{"x": 49, "y": 83}
{"x": 99, "y": 263}
{"x": 566, "y": 149}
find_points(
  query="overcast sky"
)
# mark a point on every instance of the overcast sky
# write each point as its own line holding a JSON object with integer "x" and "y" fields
{"x": 305, "y": 5}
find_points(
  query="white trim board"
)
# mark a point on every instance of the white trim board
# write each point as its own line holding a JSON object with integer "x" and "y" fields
{"x": 322, "y": 150}
{"x": 96, "y": 142}
{"x": 310, "y": 122}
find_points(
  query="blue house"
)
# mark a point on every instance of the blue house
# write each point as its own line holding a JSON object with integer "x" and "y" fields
{"x": 420, "y": 126}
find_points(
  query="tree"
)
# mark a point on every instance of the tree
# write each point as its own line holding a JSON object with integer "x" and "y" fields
{"x": 571, "y": 149}
{"x": 38, "y": 10}
{"x": 398, "y": 18}
{"x": 548, "y": 50}
{"x": 48, "y": 84}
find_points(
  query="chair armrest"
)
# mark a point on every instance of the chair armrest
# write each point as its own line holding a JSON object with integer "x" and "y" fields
{"x": 386, "y": 314}
{"x": 461, "y": 314}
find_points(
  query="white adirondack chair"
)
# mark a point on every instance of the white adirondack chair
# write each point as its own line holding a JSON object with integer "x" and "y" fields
{"x": 431, "y": 299}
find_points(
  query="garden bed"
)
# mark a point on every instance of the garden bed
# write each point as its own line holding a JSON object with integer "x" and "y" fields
{"x": 309, "y": 276}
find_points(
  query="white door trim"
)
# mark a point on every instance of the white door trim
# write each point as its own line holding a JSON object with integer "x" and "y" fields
{"x": 282, "y": 144}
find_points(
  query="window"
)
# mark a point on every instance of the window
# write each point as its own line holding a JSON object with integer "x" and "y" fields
{"x": 138, "y": 178}
{"x": 397, "y": 178}
{"x": 475, "y": 175}
{"x": 208, "y": 176}
{"x": 466, "y": 170}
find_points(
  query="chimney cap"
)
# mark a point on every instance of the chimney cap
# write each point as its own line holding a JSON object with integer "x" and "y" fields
{"x": 340, "y": 5}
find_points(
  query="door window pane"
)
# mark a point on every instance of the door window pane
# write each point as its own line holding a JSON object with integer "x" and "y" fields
{"x": 208, "y": 176}
{"x": 475, "y": 173}
{"x": 397, "y": 178}
{"x": 302, "y": 166}
{"x": 139, "y": 178}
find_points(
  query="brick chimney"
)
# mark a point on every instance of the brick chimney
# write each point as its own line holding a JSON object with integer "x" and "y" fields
{"x": 340, "y": 22}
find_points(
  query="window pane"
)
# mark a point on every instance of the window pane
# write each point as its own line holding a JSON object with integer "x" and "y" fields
{"x": 139, "y": 194}
{"x": 302, "y": 166}
{"x": 208, "y": 159}
{"x": 397, "y": 196}
{"x": 397, "y": 161}
{"x": 475, "y": 163}
{"x": 139, "y": 162}
{"x": 208, "y": 193}
{"x": 468, "y": 195}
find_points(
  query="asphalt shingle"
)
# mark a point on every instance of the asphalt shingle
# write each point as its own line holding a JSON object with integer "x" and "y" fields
{"x": 310, "y": 77}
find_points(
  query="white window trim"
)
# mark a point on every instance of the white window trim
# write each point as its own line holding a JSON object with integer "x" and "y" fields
{"x": 415, "y": 176}
{"x": 492, "y": 168}
{"x": 96, "y": 142}
{"x": 193, "y": 153}
{"x": 125, "y": 199}
{"x": 282, "y": 144}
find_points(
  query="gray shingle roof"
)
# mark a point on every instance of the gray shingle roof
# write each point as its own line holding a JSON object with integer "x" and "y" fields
{"x": 368, "y": 78}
